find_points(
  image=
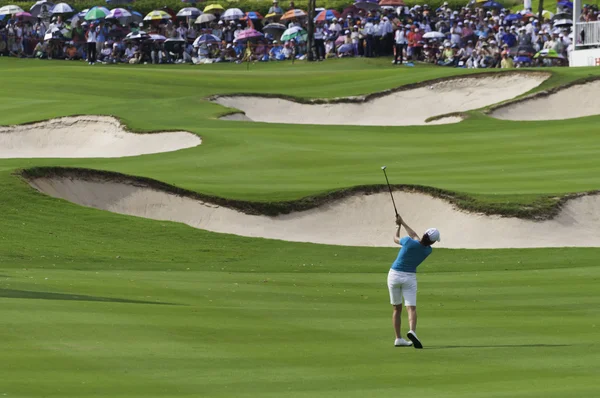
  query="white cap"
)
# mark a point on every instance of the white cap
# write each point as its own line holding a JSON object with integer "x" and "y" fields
{"x": 433, "y": 234}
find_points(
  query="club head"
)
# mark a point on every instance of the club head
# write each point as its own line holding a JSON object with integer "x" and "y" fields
{"x": 383, "y": 167}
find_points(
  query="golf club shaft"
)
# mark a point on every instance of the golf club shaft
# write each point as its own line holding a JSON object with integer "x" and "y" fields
{"x": 390, "y": 188}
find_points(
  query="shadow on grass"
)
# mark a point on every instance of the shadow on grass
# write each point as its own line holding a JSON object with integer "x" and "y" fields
{"x": 444, "y": 347}
{"x": 26, "y": 294}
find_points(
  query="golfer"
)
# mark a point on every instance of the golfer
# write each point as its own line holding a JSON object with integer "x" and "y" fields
{"x": 402, "y": 278}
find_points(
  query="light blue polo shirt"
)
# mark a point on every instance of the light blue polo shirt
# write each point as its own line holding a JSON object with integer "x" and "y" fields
{"x": 411, "y": 255}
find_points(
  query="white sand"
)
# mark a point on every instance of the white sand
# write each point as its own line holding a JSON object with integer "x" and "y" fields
{"x": 361, "y": 220}
{"x": 86, "y": 137}
{"x": 575, "y": 101}
{"x": 402, "y": 108}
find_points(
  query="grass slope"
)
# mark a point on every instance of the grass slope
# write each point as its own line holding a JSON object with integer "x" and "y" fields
{"x": 96, "y": 304}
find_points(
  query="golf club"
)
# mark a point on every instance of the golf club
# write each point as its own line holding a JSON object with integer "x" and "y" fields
{"x": 390, "y": 188}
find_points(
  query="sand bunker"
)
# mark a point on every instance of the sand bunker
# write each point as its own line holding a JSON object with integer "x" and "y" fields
{"x": 86, "y": 137}
{"x": 400, "y": 108}
{"x": 575, "y": 101}
{"x": 360, "y": 220}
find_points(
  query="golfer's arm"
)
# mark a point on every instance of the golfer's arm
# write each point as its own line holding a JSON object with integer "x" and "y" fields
{"x": 410, "y": 231}
{"x": 397, "y": 236}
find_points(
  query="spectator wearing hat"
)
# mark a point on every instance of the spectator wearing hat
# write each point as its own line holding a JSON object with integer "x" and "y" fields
{"x": 377, "y": 38}
{"x": 354, "y": 35}
{"x": 275, "y": 9}
{"x": 335, "y": 27}
{"x": 369, "y": 32}
{"x": 415, "y": 38}
{"x": 388, "y": 36}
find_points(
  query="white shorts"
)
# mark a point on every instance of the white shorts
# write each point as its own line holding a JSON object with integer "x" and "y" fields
{"x": 402, "y": 284}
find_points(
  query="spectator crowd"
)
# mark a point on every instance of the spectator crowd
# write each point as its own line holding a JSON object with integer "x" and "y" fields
{"x": 478, "y": 35}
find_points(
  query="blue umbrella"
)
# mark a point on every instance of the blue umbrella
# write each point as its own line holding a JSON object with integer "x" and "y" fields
{"x": 522, "y": 58}
{"x": 492, "y": 4}
{"x": 513, "y": 17}
{"x": 206, "y": 39}
{"x": 565, "y": 4}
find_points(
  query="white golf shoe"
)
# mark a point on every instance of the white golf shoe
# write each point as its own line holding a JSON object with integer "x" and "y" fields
{"x": 402, "y": 343}
{"x": 413, "y": 337}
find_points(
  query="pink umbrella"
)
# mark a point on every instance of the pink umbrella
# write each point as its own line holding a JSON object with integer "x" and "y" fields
{"x": 249, "y": 34}
{"x": 24, "y": 15}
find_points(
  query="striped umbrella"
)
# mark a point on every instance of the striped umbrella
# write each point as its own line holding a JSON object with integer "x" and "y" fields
{"x": 253, "y": 15}
{"x": 293, "y": 33}
{"x": 327, "y": 15}
{"x": 213, "y": 8}
{"x": 61, "y": 8}
{"x": 157, "y": 15}
{"x": 291, "y": 14}
{"x": 206, "y": 39}
{"x": 117, "y": 13}
{"x": 10, "y": 9}
{"x": 232, "y": 13}
{"x": 191, "y": 12}
{"x": 139, "y": 35}
{"x": 95, "y": 13}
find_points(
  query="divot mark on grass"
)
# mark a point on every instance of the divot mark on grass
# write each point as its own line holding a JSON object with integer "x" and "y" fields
{"x": 356, "y": 220}
{"x": 87, "y": 137}
{"x": 404, "y": 106}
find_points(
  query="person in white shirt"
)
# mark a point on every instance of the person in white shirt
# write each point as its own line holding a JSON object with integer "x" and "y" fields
{"x": 182, "y": 31}
{"x": 319, "y": 36}
{"x": 388, "y": 35}
{"x": 91, "y": 44}
{"x": 401, "y": 42}
{"x": 369, "y": 30}
{"x": 335, "y": 26}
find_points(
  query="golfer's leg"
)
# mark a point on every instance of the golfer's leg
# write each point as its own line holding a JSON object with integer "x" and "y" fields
{"x": 412, "y": 317}
{"x": 396, "y": 319}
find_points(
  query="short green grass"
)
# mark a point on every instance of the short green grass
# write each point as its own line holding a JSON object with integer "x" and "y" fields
{"x": 96, "y": 304}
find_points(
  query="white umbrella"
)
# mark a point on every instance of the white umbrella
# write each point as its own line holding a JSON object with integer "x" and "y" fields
{"x": 155, "y": 37}
{"x": 434, "y": 35}
{"x": 563, "y": 22}
{"x": 10, "y": 9}
{"x": 204, "y": 18}
{"x": 61, "y": 8}
{"x": 117, "y": 13}
{"x": 232, "y": 13}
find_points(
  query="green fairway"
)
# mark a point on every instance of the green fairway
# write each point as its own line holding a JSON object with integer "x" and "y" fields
{"x": 96, "y": 304}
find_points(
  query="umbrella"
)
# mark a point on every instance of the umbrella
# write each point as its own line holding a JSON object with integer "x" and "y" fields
{"x": 292, "y": 33}
{"x": 565, "y": 4}
{"x": 139, "y": 35}
{"x": 204, "y": 18}
{"x": 548, "y": 53}
{"x": 562, "y": 15}
{"x": 522, "y": 59}
{"x": 513, "y": 17}
{"x": 214, "y": 8}
{"x": 117, "y": 13}
{"x": 191, "y": 12}
{"x": 157, "y": 15}
{"x": 136, "y": 16}
{"x": 95, "y": 13}
{"x": 273, "y": 15}
{"x": 367, "y": 4}
{"x": 563, "y": 22}
{"x": 492, "y": 4}
{"x": 327, "y": 15}
{"x": 190, "y": 1}
{"x": 352, "y": 10}
{"x": 61, "y": 8}
{"x": 24, "y": 15}
{"x": 291, "y": 14}
{"x": 391, "y": 3}
{"x": 155, "y": 37}
{"x": 10, "y": 9}
{"x": 206, "y": 39}
{"x": 41, "y": 9}
{"x": 249, "y": 34}
{"x": 434, "y": 35}
{"x": 52, "y": 33}
{"x": 174, "y": 45}
{"x": 231, "y": 14}
{"x": 118, "y": 2}
{"x": 253, "y": 15}
{"x": 547, "y": 14}
{"x": 274, "y": 28}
